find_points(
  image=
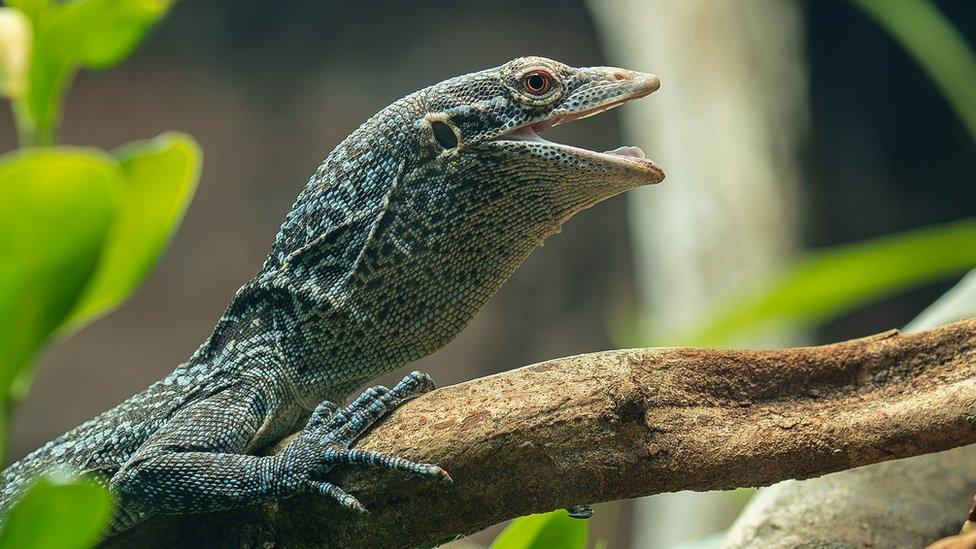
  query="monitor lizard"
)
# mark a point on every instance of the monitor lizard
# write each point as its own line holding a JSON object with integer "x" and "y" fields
{"x": 399, "y": 238}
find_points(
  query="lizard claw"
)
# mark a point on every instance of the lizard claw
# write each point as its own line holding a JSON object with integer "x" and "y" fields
{"x": 331, "y": 431}
{"x": 580, "y": 511}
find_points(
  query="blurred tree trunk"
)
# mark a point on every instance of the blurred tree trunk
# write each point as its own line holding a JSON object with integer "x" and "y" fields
{"x": 726, "y": 126}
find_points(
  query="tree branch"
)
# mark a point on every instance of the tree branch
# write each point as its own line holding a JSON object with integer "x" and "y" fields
{"x": 929, "y": 501}
{"x": 623, "y": 424}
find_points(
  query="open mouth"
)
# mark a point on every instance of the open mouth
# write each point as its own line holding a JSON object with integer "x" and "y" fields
{"x": 629, "y": 157}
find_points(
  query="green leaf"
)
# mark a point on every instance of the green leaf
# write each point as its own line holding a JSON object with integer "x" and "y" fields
{"x": 543, "y": 531}
{"x": 56, "y": 208}
{"x": 15, "y": 48}
{"x": 33, "y": 9}
{"x": 161, "y": 176}
{"x": 58, "y": 512}
{"x": 938, "y": 47}
{"x": 102, "y": 33}
{"x": 829, "y": 283}
{"x": 96, "y": 34}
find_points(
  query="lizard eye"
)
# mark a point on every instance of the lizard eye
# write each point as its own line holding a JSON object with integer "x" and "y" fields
{"x": 537, "y": 82}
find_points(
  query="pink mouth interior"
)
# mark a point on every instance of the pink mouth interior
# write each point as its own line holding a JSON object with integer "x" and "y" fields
{"x": 530, "y": 132}
{"x": 628, "y": 152}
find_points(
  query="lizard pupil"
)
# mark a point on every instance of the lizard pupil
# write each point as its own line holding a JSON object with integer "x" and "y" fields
{"x": 444, "y": 135}
{"x": 537, "y": 82}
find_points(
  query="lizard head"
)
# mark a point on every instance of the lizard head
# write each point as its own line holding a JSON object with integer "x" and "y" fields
{"x": 420, "y": 215}
{"x": 494, "y": 117}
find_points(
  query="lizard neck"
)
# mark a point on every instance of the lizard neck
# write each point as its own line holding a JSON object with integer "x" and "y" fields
{"x": 338, "y": 329}
{"x": 393, "y": 247}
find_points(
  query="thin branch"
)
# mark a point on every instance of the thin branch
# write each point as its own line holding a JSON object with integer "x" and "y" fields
{"x": 623, "y": 424}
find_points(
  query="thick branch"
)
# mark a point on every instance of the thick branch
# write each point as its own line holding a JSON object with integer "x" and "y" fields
{"x": 623, "y": 424}
{"x": 832, "y": 510}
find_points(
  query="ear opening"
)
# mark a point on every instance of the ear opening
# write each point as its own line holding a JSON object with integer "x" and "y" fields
{"x": 445, "y": 133}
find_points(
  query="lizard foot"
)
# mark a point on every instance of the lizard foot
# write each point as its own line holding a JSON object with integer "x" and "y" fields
{"x": 327, "y": 439}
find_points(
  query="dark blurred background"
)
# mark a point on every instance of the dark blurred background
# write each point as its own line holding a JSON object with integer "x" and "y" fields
{"x": 268, "y": 88}
{"x": 885, "y": 153}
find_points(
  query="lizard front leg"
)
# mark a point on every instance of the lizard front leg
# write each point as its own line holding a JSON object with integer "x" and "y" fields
{"x": 198, "y": 461}
{"x": 330, "y": 433}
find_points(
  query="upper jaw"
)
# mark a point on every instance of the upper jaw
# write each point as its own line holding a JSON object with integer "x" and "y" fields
{"x": 617, "y": 87}
{"x": 606, "y": 88}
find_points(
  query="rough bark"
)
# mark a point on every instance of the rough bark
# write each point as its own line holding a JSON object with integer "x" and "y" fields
{"x": 622, "y": 424}
{"x": 905, "y": 503}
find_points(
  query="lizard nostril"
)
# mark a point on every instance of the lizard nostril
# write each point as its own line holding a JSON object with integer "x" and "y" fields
{"x": 621, "y": 75}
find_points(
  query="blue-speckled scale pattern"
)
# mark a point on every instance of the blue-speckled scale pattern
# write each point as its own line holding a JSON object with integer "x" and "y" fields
{"x": 393, "y": 246}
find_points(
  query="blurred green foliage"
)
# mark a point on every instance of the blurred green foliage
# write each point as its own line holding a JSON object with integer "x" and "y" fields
{"x": 936, "y": 45}
{"x": 150, "y": 183}
{"x": 160, "y": 176}
{"x": 60, "y": 511}
{"x": 826, "y": 284}
{"x": 80, "y": 228}
{"x": 56, "y": 210}
{"x": 95, "y": 34}
{"x": 543, "y": 531}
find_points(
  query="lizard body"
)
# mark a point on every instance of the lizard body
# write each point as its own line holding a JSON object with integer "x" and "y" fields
{"x": 399, "y": 238}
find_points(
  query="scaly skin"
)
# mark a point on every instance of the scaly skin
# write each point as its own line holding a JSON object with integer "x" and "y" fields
{"x": 400, "y": 237}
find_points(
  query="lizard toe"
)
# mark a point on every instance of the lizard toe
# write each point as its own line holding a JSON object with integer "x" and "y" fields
{"x": 413, "y": 385}
{"x": 392, "y": 463}
{"x": 342, "y": 497}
